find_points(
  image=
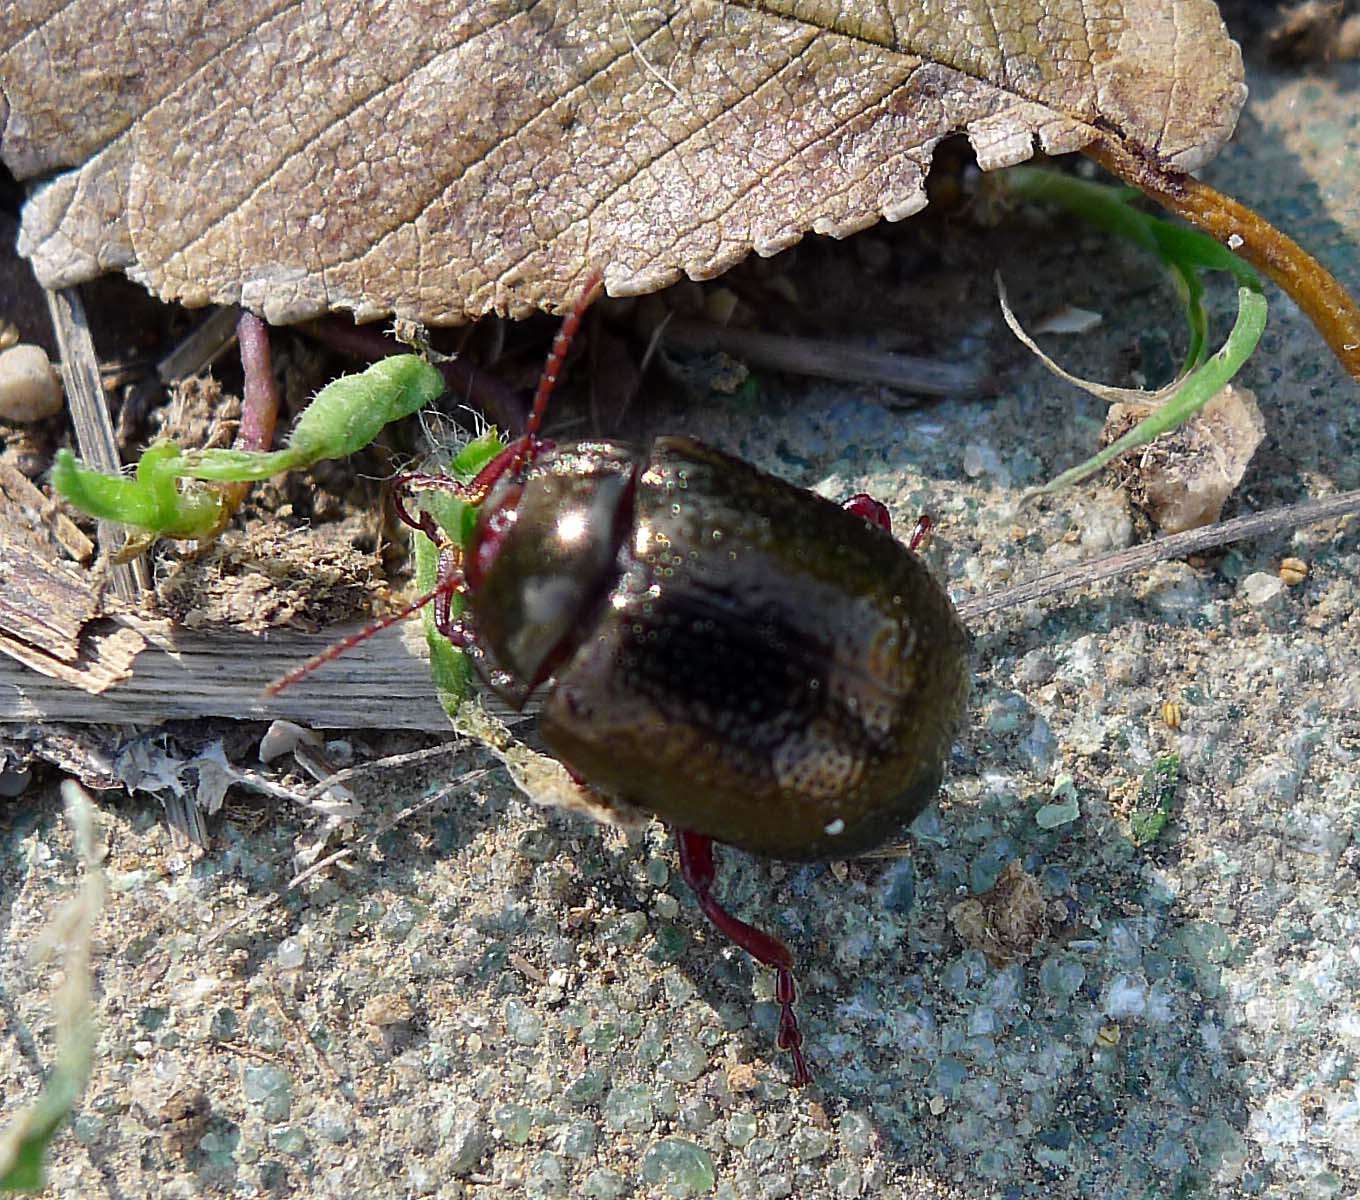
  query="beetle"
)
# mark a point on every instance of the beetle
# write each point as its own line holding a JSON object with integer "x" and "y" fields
{"x": 751, "y": 662}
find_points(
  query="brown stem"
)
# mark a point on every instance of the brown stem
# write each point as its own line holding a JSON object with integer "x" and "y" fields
{"x": 260, "y": 404}
{"x": 259, "y": 409}
{"x": 825, "y": 359}
{"x": 1250, "y": 236}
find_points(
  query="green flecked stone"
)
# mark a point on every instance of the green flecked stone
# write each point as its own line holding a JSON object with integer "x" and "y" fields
{"x": 586, "y": 1088}
{"x": 682, "y": 1168}
{"x": 628, "y": 1108}
{"x": 514, "y": 1121}
{"x": 671, "y": 942}
{"x": 1061, "y": 975}
{"x": 741, "y": 1128}
{"x": 605, "y": 1185}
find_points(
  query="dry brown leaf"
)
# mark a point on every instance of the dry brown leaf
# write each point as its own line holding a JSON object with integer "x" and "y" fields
{"x": 442, "y": 160}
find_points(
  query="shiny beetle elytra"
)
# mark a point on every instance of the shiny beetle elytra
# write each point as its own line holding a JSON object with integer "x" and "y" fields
{"x": 756, "y": 665}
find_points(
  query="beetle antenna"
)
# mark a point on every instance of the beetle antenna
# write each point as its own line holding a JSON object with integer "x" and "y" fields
{"x": 345, "y": 644}
{"x": 512, "y": 458}
{"x": 558, "y": 354}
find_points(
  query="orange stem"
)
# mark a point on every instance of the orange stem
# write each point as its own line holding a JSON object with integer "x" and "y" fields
{"x": 1250, "y": 236}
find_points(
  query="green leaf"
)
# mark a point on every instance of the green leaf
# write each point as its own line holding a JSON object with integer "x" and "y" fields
{"x": 1187, "y": 398}
{"x": 1110, "y": 208}
{"x": 152, "y": 500}
{"x": 1185, "y": 253}
{"x": 450, "y": 667}
{"x": 346, "y": 415}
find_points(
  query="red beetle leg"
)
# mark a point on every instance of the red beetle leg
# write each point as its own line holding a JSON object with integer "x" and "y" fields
{"x": 874, "y": 511}
{"x": 696, "y": 863}
{"x": 448, "y": 583}
{"x": 407, "y": 484}
{"x": 402, "y": 487}
{"x": 921, "y": 534}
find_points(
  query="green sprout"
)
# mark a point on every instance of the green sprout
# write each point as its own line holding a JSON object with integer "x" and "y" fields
{"x": 450, "y": 667}
{"x": 1186, "y": 254}
{"x": 165, "y": 498}
{"x": 1156, "y": 799}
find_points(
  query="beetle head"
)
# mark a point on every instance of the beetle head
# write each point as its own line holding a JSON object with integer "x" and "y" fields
{"x": 543, "y": 555}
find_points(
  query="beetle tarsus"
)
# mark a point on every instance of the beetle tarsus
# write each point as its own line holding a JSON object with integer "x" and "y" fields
{"x": 696, "y": 864}
{"x": 925, "y": 526}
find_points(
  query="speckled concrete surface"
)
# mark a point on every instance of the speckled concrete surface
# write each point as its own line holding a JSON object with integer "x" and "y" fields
{"x": 500, "y": 1002}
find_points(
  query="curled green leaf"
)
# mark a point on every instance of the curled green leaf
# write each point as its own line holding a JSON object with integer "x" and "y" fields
{"x": 1184, "y": 252}
{"x": 450, "y": 667}
{"x": 152, "y": 499}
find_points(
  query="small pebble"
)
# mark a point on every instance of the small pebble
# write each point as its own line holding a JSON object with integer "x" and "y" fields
{"x": 980, "y": 459}
{"x": 1125, "y": 996}
{"x": 29, "y": 388}
{"x": 291, "y": 954}
{"x": 463, "y": 1136}
{"x": 1064, "y": 808}
{"x": 1036, "y": 667}
{"x": 1260, "y": 589}
{"x": 388, "y": 1009}
{"x": 685, "y": 1168}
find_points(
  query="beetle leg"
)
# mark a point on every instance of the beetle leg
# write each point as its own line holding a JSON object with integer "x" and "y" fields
{"x": 413, "y": 481}
{"x": 522, "y": 449}
{"x": 469, "y": 493}
{"x": 336, "y": 649}
{"x": 696, "y": 864}
{"x": 874, "y": 511}
{"x": 921, "y": 534}
{"x": 472, "y": 493}
{"x": 449, "y": 582}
